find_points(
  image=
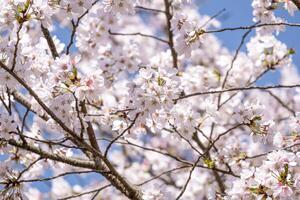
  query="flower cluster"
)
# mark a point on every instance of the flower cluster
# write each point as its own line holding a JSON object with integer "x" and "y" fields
{"x": 276, "y": 178}
{"x": 143, "y": 101}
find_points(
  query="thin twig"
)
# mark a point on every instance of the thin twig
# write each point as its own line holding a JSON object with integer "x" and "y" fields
{"x": 86, "y": 193}
{"x": 149, "y": 9}
{"x": 240, "y": 89}
{"x": 188, "y": 180}
{"x": 232, "y": 63}
{"x": 119, "y": 136}
{"x": 75, "y": 26}
{"x": 16, "y": 47}
{"x": 254, "y": 26}
{"x": 140, "y": 34}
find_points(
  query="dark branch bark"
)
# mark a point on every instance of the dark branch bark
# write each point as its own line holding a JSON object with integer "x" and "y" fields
{"x": 49, "y": 41}
{"x": 22, "y": 100}
{"x": 45, "y": 154}
{"x": 241, "y": 89}
{"x": 170, "y": 33}
{"x": 297, "y": 3}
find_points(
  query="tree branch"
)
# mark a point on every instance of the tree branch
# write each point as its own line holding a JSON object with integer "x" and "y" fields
{"x": 169, "y": 32}
{"x": 240, "y": 89}
{"x": 140, "y": 34}
{"x": 45, "y": 154}
{"x": 49, "y": 41}
{"x": 297, "y": 3}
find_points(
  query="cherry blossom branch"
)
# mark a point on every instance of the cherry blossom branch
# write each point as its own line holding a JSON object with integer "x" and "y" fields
{"x": 91, "y": 135}
{"x": 75, "y": 26}
{"x": 149, "y": 9}
{"x": 54, "y": 157}
{"x": 207, "y": 155}
{"x": 50, "y": 143}
{"x": 169, "y": 32}
{"x": 163, "y": 173}
{"x": 50, "y": 41}
{"x": 232, "y": 63}
{"x": 266, "y": 153}
{"x": 5, "y": 105}
{"x": 258, "y": 77}
{"x": 140, "y": 34}
{"x": 189, "y": 142}
{"x": 78, "y": 115}
{"x": 115, "y": 178}
{"x": 188, "y": 179}
{"x": 14, "y": 61}
{"x": 248, "y": 85}
{"x": 121, "y": 135}
{"x": 157, "y": 151}
{"x": 282, "y": 103}
{"x": 254, "y": 26}
{"x": 86, "y": 193}
{"x": 297, "y": 3}
{"x": 27, "y": 169}
{"x": 60, "y": 175}
{"x": 240, "y": 89}
{"x": 23, "y": 101}
{"x": 75, "y": 138}
{"x": 212, "y": 17}
{"x": 223, "y": 134}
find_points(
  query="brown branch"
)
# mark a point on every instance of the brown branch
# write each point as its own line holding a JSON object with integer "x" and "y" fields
{"x": 50, "y": 41}
{"x": 297, "y": 3}
{"x": 170, "y": 33}
{"x": 58, "y": 176}
{"x": 120, "y": 135}
{"x": 232, "y": 63}
{"x": 16, "y": 47}
{"x": 186, "y": 140}
{"x": 282, "y": 103}
{"x": 75, "y": 138}
{"x": 163, "y": 173}
{"x": 140, "y": 34}
{"x": 23, "y": 101}
{"x": 115, "y": 178}
{"x": 240, "y": 89}
{"x": 149, "y": 9}
{"x": 86, "y": 193}
{"x": 188, "y": 180}
{"x": 54, "y": 157}
{"x": 75, "y": 26}
{"x": 254, "y": 26}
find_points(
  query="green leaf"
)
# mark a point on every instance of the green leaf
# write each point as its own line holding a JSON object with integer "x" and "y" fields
{"x": 291, "y": 51}
{"x": 161, "y": 81}
{"x": 210, "y": 163}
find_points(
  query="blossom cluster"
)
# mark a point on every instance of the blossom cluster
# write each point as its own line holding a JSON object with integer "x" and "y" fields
{"x": 143, "y": 101}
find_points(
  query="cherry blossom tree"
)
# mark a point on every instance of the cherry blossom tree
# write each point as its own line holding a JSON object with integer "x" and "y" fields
{"x": 145, "y": 103}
